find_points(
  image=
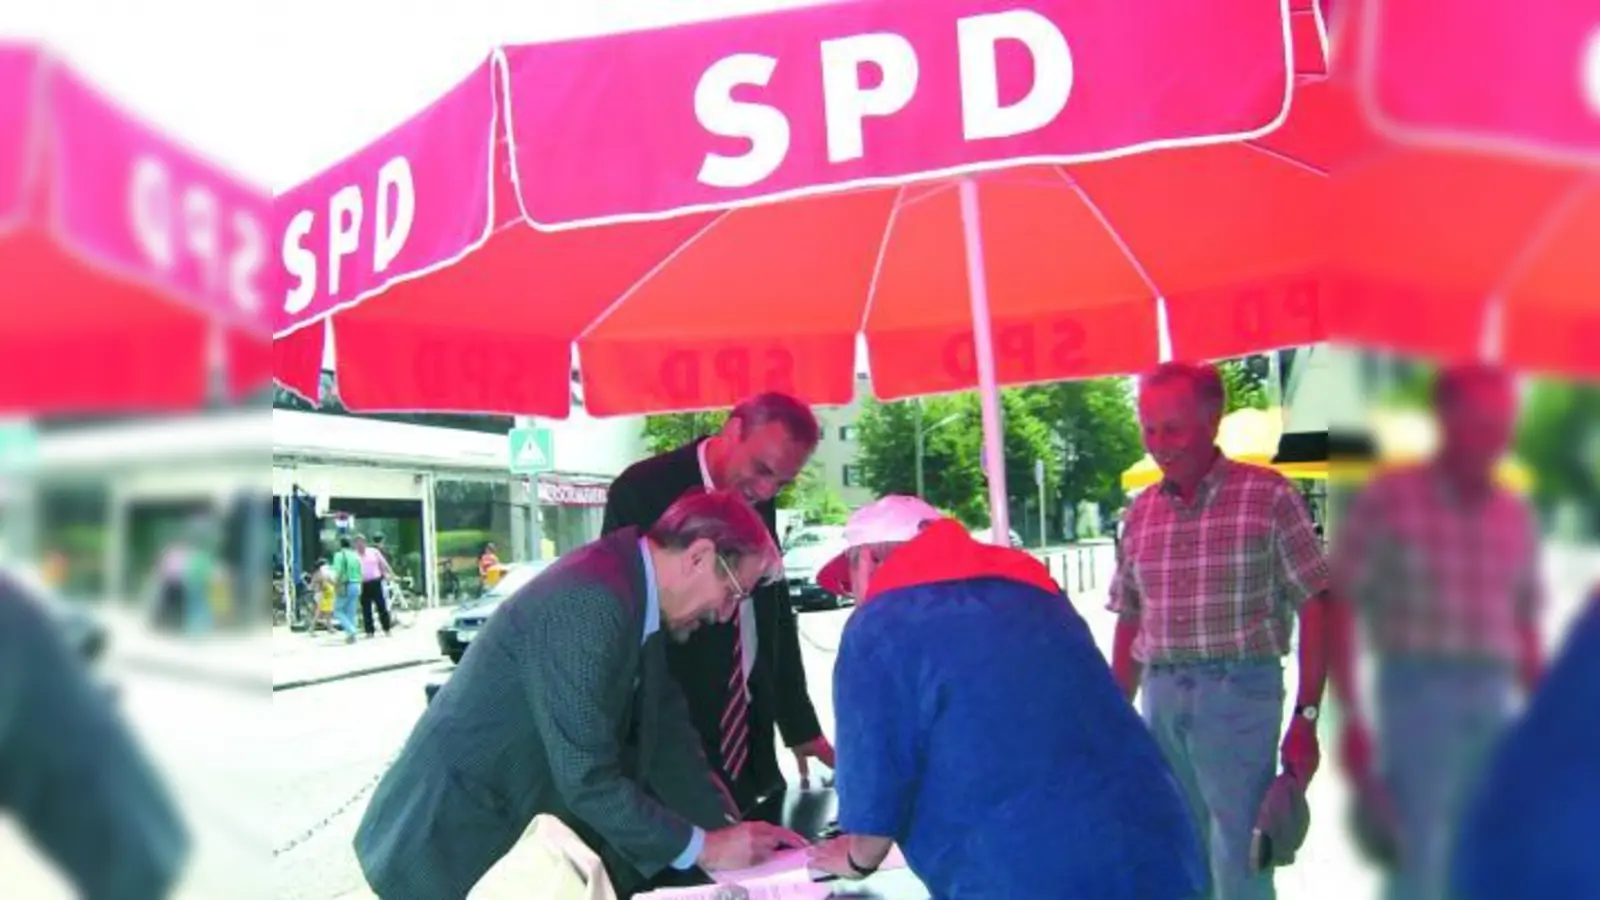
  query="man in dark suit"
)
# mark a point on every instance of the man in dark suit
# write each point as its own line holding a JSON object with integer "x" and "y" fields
{"x": 742, "y": 677}
{"x": 565, "y": 706}
{"x": 72, "y": 773}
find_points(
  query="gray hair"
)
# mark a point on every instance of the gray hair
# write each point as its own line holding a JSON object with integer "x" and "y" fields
{"x": 1202, "y": 378}
{"x": 796, "y": 418}
{"x": 725, "y": 519}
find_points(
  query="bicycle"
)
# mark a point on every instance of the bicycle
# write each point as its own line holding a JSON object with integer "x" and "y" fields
{"x": 397, "y": 594}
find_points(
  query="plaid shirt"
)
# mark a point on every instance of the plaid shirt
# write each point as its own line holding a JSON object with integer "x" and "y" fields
{"x": 1219, "y": 578}
{"x": 1434, "y": 577}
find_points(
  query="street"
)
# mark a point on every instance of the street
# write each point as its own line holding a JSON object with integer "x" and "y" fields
{"x": 274, "y": 784}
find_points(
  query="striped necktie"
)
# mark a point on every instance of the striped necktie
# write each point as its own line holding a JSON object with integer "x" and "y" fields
{"x": 736, "y": 712}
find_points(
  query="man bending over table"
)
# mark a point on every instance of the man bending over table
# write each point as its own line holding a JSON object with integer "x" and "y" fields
{"x": 980, "y": 729}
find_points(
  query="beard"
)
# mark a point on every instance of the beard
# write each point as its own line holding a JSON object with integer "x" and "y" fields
{"x": 680, "y": 635}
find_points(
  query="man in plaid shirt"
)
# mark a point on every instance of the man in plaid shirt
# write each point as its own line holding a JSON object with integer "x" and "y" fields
{"x": 1443, "y": 566}
{"x": 1216, "y": 563}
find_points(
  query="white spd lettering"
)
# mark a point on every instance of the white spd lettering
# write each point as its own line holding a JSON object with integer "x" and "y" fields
{"x": 1590, "y": 75}
{"x": 847, "y": 104}
{"x": 174, "y": 224}
{"x": 394, "y": 214}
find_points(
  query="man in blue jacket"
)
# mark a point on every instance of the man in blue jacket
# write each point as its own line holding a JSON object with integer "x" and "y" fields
{"x": 1531, "y": 829}
{"x": 979, "y": 728}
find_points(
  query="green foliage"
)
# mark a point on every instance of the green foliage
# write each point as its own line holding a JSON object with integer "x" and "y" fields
{"x": 1559, "y": 439}
{"x": 1247, "y": 380}
{"x": 463, "y": 543}
{"x": 817, "y": 501}
{"x": 886, "y": 452}
{"x": 1098, "y": 434}
{"x": 673, "y": 430}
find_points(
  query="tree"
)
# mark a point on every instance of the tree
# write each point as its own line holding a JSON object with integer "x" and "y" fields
{"x": 952, "y": 455}
{"x": 673, "y": 430}
{"x": 818, "y": 502}
{"x": 1559, "y": 439}
{"x": 1247, "y": 381}
{"x": 1097, "y": 431}
{"x": 886, "y": 452}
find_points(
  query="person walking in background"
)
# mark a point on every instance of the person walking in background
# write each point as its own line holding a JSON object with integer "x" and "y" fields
{"x": 1443, "y": 567}
{"x": 565, "y": 706}
{"x": 488, "y": 566}
{"x": 743, "y": 676}
{"x": 347, "y": 575}
{"x": 374, "y": 569}
{"x": 324, "y": 588}
{"x": 980, "y": 728}
{"x": 1217, "y": 561}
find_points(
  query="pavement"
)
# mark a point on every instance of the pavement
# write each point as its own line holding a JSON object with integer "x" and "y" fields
{"x": 277, "y": 660}
{"x": 301, "y": 660}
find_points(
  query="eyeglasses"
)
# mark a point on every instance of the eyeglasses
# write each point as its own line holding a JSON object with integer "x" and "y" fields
{"x": 736, "y": 591}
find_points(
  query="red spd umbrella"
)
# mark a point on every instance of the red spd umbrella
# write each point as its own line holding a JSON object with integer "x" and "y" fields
{"x": 720, "y": 208}
{"x": 1468, "y": 233}
{"x": 120, "y": 253}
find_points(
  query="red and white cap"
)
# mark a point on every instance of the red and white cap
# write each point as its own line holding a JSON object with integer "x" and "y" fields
{"x": 894, "y": 519}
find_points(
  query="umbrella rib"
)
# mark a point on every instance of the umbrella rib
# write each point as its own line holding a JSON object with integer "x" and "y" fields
{"x": 1111, "y": 231}
{"x": 1284, "y": 157}
{"x": 1163, "y": 322}
{"x": 883, "y": 251}
{"x": 654, "y": 271}
{"x": 1494, "y": 321}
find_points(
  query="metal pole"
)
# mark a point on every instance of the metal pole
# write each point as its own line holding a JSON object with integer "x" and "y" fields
{"x": 918, "y": 429}
{"x": 1040, "y": 471}
{"x": 983, "y": 351}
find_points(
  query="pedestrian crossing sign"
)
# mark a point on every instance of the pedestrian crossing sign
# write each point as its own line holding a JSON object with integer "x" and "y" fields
{"x": 532, "y": 451}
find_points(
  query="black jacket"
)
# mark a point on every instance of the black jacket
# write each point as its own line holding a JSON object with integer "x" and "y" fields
{"x": 778, "y": 681}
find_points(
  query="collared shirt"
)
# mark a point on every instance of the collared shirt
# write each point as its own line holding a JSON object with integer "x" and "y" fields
{"x": 1219, "y": 578}
{"x": 1437, "y": 576}
{"x": 652, "y": 624}
{"x": 747, "y": 609}
{"x": 371, "y": 564}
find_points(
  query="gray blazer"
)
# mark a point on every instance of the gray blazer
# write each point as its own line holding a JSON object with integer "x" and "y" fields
{"x": 560, "y": 707}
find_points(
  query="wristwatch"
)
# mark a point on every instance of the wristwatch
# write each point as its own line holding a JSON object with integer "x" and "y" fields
{"x": 1307, "y": 712}
{"x": 860, "y": 870}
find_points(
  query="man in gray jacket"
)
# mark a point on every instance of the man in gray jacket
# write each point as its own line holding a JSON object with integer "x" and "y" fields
{"x": 565, "y": 706}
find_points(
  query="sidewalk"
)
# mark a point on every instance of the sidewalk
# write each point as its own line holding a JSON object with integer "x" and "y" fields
{"x": 302, "y": 660}
{"x": 275, "y": 661}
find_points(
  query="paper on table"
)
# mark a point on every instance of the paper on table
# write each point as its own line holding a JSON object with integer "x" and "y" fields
{"x": 784, "y": 890}
{"x": 790, "y": 865}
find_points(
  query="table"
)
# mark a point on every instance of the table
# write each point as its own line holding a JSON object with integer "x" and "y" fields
{"x": 808, "y": 813}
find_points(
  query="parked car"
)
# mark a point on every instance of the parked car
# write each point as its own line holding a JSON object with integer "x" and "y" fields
{"x": 457, "y": 634}
{"x": 806, "y": 552}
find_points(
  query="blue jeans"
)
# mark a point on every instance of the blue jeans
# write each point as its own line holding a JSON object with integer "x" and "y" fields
{"x": 1437, "y": 722}
{"x": 1217, "y": 723}
{"x": 344, "y": 607}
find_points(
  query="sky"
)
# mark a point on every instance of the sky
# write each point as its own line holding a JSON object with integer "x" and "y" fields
{"x": 277, "y": 90}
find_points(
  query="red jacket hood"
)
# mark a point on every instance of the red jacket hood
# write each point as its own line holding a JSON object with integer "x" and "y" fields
{"x": 944, "y": 551}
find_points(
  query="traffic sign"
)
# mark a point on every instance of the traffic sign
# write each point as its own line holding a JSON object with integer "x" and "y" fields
{"x": 532, "y": 450}
{"x": 19, "y": 446}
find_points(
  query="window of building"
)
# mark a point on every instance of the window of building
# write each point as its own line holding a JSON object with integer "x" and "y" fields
{"x": 847, "y": 432}
{"x": 852, "y": 476}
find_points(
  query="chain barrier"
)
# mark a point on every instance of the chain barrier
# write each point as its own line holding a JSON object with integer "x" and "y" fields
{"x": 322, "y": 824}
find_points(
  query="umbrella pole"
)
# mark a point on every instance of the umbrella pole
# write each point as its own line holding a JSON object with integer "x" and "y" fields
{"x": 994, "y": 455}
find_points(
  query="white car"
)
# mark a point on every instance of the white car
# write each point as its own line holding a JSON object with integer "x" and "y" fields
{"x": 456, "y": 636}
{"x": 806, "y": 552}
